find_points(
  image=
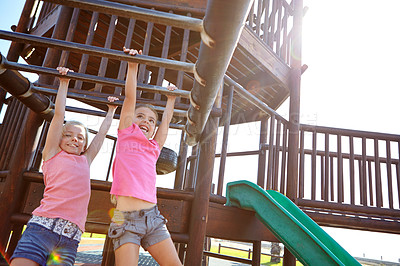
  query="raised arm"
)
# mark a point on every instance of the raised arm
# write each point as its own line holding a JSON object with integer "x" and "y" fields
{"x": 162, "y": 131}
{"x": 54, "y": 133}
{"x": 98, "y": 140}
{"x": 128, "y": 107}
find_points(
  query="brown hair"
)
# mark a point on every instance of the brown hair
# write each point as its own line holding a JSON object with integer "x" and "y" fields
{"x": 149, "y": 106}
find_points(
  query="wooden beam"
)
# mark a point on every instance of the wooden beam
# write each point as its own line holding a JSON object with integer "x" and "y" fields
{"x": 237, "y": 224}
{"x": 47, "y": 23}
{"x": 259, "y": 51}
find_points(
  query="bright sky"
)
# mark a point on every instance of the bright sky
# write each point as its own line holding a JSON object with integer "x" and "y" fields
{"x": 352, "y": 52}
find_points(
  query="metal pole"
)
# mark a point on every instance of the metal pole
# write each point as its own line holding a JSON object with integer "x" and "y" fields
{"x": 92, "y": 78}
{"x": 21, "y": 88}
{"x": 253, "y": 99}
{"x": 224, "y": 23}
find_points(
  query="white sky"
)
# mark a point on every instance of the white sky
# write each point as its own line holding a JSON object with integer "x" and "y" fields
{"x": 352, "y": 52}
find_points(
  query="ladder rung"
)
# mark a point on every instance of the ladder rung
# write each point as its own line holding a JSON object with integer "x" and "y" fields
{"x": 91, "y": 78}
{"x": 96, "y": 51}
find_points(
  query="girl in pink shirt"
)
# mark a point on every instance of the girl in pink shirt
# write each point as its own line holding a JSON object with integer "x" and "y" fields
{"x": 54, "y": 231}
{"x": 137, "y": 221}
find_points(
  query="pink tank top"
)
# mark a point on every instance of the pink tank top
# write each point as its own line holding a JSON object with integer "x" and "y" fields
{"x": 67, "y": 193}
{"x": 134, "y": 168}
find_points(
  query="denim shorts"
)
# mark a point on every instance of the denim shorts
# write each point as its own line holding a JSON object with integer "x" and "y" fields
{"x": 145, "y": 227}
{"x": 45, "y": 247}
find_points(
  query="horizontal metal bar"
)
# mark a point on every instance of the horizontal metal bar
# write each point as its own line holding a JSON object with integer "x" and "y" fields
{"x": 139, "y": 13}
{"x": 102, "y": 114}
{"x": 96, "y": 51}
{"x": 253, "y": 99}
{"x": 20, "y": 87}
{"x": 96, "y": 99}
{"x": 92, "y": 78}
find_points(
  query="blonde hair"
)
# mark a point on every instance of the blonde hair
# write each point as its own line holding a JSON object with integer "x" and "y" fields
{"x": 77, "y": 123}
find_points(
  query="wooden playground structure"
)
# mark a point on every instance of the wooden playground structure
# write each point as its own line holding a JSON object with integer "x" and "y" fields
{"x": 233, "y": 63}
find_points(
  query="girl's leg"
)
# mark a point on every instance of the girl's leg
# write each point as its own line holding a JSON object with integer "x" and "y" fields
{"x": 23, "y": 262}
{"x": 127, "y": 254}
{"x": 164, "y": 253}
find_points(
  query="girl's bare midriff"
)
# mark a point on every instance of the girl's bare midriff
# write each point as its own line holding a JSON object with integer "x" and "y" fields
{"x": 132, "y": 204}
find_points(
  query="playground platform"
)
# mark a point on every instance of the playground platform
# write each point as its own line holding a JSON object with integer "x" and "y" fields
{"x": 90, "y": 254}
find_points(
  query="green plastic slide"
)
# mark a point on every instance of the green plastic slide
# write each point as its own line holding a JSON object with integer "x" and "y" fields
{"x": 305, "y": 239}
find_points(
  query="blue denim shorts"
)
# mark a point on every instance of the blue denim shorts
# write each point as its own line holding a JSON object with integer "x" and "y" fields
{"x": 145, "y": 227}
{"x": 45, "y": 247}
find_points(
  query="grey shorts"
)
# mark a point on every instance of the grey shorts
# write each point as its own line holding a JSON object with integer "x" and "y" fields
{"x": 145, "y": 227}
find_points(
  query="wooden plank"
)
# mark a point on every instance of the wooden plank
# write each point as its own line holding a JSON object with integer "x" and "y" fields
{"x": 270, "y": 164}
{"x": 89, "y": 39}
{"x": 12, "y": 137}
{"x": 107, "y": 44}
{"x": 340, "y": 169}
{"x": 100, "y": 209}
{"x": 398, "y": 174}
{"x": 233, "y": 223}
{"x": 351, "y": 162}
{"x": 124, "y": 64}
{"x": 264, "y": 55}
{"x": 314, "y": 166}
{"x": 194, "y": 6}
{"x": 14, "y": 189}
{"x": 363, "y": 175}
{"x": 70, "y": 35}
{"x": 262, "y": 156}
{"x": 46, "y": 24}
{"x": 327, "y": 167}
{"x": 351, "y": 222}
{"x": 369, "y": 177}
{"x": 378, "y": 182}
{"x": 389, "y": 174}
{"x": 283, "y": 165}
{"x": 275, "y": 182}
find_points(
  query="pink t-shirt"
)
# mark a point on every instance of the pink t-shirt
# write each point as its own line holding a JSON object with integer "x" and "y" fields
{"x": 67, "y": 193}
{"x": 134, "y": 168}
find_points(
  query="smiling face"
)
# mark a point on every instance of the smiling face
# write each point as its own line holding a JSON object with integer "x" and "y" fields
{"x": 73, "y": 139}
{"x": 146, "y": 120}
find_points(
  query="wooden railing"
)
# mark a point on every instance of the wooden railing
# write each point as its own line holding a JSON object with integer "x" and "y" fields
{"x": 349, "y": 166}
{"x": 272, "y": 21}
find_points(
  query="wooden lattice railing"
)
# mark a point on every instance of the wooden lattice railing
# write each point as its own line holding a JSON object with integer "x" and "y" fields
{"x": 348, "y": 166}
{"x": 272, "y": 21}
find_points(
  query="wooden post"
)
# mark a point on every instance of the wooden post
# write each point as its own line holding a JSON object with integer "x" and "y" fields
{"x": 294, "y": 114}
{"x": 23, "y": 25}
{"x": 181, "y": 168}
{"x": 52, "y": 58}
{"x": 189, "y": 181}
{"x": 199, "y": 212}
{"x": 256, "y": 259}
{"x": 262, "y": 156}
{"x": 224, "y": 149}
